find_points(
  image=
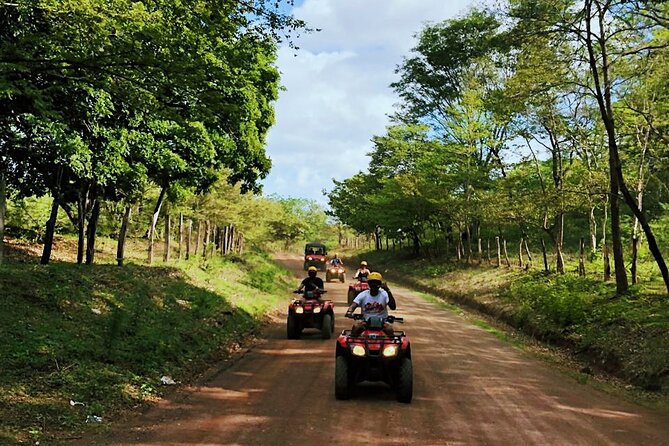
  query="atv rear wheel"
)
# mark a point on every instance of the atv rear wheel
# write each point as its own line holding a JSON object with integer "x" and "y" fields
{"x": 351, "y": 296}
{"x": 326, "y": 327}
{"x": 342, "y": 379}
{"x": 405, "y": 381}
{"x": 292, "y": 330}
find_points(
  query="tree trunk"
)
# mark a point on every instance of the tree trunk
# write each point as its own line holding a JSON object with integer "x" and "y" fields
{"x": 168, "y": 237}
{"x": 469, "y": 245}
{"x": 559, "y": 258}
{"x": 154, "y": 221}
{"x": 92, "y": 232}
{"x": 616, "y": 182}
{"x": 82, "y": 205}
{"x": 543, "y": 251}
{"x": 205, "y": 242}
{"x": 506, "y": 255}
{"x": 120, "y": 247}
{"x": 479, "y": 253}
{"x": 635, "y": 255}
{"x": 529, "y": 256}
{"x": 607, "y": 262}
{"x": 181, "y": 234}
{"x": 520, "y": 253}
{"x": 197, "y": 238}
{"x": 581, "y": 259}
{"x": 416, "y": 243}
{"x": 489, "y": 260}
{"x": 51, "y": 223}
{"x": 3, "y": 212}
{"x": 212, "y": 242}
{"x": 50, "y": 229}
{"x": 593, "y": 230}
{"x": 188, "y": 238}
{"x": 499, "y": 252}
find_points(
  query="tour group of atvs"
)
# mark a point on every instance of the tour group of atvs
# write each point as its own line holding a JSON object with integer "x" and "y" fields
{"x": 370, "y": 356}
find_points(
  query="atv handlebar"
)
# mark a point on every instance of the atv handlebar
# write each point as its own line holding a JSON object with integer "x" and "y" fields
{"x": 390, "y": 318}
{"x": 319, "y": 291}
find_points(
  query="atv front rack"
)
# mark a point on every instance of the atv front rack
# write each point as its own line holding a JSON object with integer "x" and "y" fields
{"x": 397, "y": 335}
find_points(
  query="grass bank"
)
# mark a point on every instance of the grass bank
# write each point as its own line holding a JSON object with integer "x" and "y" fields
{"x": 627, "y": 337}
{"x": 104, "y": 335}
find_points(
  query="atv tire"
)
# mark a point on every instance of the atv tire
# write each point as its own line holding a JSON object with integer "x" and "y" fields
{"x": 326, "y": 327}
{"x": 351, "y": 296}
{"x": 342, "y": 278}
{"x": 405, "y": 381}
{"x": 342, "y": 379}
{"x": 292, "y": 330}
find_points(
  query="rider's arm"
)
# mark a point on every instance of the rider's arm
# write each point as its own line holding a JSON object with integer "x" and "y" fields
{"x": 352, "y": 308}
{"x": 301, "y": 287}
{"x": 391, "y": 299}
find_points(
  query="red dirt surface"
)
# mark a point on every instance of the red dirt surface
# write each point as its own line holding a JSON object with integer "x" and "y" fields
{"x": 469, "y": 389}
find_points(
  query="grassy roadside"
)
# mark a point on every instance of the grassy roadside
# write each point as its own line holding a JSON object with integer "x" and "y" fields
{"x": 627, "y": 337}
{"x": 104, "y": 335}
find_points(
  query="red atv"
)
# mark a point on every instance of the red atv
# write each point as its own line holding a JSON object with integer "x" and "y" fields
{"x": 335, "y": 272}
{"x": 356, "y": 288}
{"x": 310, "y": 313}
{"x": 373, "y": 356}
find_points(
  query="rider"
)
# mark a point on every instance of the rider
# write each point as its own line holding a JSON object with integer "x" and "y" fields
{"x": 373, "y": 302}
{"x": 362, "y": 272}
{"x": 311, "y": 282}
{"x": 336, "y": 261}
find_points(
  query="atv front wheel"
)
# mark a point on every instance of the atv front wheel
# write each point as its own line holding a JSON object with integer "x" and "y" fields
{"x": 405, "y": 381}
{"x": 326, "y": 328}
{"x": 342, "y": 380}
{"x": 342, "y": 278}
{"x": 292, "y": 330}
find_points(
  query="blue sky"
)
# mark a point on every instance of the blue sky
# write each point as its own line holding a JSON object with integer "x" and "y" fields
{"x": 337, "y": 88}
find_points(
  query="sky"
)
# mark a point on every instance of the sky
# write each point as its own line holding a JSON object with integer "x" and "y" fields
{"x": 337, "y": 88}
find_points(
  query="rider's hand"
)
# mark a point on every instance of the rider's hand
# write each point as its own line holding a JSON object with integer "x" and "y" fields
{"x": 349, "y": 313}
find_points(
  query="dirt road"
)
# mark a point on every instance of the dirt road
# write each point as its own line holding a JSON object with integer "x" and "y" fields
{"x": 469, "y": 389}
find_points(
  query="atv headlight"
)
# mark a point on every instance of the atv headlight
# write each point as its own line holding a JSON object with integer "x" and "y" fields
{"x": 322, "y": 260}
{"x": 310, "y": 258}
{"x": 389, "y": 351}
{"x": 299, "y": 310}
{"x": 341, "y": 270}
{"x": 358, "y": 350}
{"x": 317, "y": 309}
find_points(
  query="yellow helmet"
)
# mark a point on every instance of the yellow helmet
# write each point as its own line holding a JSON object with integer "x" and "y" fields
{"x": 375, "y": 276}
{"x": 363, "y": 263}
{"x": 312, "y": 268}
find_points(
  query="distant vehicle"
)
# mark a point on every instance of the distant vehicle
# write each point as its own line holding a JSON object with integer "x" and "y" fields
{"x": 335, "y": 272}
{"x": 314, "y": 255}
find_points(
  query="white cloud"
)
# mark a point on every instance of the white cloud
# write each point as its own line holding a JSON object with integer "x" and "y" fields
{"x": 337, "y": 88}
